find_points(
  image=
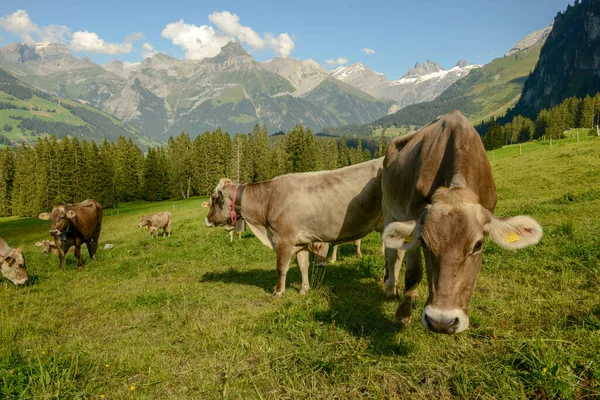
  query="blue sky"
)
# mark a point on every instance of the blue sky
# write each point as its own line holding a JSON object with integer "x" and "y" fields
{"x": 399, "y": 32}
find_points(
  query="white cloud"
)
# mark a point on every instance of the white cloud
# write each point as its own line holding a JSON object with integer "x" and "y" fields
{"x": 337, "y": 61}
{"x": 368, "y": 51}
{"x": 198, "y": 41}
{"x": 148, "y": 50}
{"x": 230, "y": 25}
{"x": 204, "y": 41}
{"x": 282, "y": 45}
{"x": 20, "y": 24}
{"x": 91, "y": 42}
{"x": 134, "y": 37}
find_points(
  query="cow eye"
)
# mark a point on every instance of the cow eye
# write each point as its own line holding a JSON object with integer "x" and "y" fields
{"x": 478, "y": 246}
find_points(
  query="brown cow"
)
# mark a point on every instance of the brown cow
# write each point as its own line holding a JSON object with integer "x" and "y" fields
{"x": 291, "y": 211}
{"x": 12, "y": 263}
{"x": 76, "y": 223}
{"x": 154, "y": 222}
{"x": 439, "y": 195}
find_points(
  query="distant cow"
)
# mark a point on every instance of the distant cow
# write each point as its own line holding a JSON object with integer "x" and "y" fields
{"x": 75, "y": 223}
{"x": 439, "y": 195}
{"x": 154, "y": 222}
{"x": 12, "y": 263}
{"x": 292, "y": 211}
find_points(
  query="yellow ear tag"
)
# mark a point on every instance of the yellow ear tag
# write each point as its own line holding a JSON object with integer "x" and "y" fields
{"x": 512, "y": 237}
{"x": 409, "y": 238}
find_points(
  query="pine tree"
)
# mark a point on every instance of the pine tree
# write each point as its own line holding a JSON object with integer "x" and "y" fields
{"x": 330, "y": 160}
{"x": 259, "y": 154}
{"x": 343, "y": 153}
{"x": 7, "y": 168}
{"x": 585, "y": 113}
{"x": 23, "y": 201}
{"x": 279, "y": 158}
{"x": 381, "y": 146}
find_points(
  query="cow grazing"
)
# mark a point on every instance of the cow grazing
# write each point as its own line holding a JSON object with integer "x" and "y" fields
{"x": 75, "y": 224}
{"x": 439, "y": 195}
{"x": 12, "y": 263}
{"x": 154, "y": 222}
{"x": 292, "y": 211}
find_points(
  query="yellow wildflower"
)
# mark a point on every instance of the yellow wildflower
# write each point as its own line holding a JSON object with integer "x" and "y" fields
{"x": 544, "y": 370}
{"x": 132, "y": 388}
{"x": 107, "y": 365}
{"x": 101, "y": 396}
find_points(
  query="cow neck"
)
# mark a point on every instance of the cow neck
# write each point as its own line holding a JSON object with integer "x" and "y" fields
{"x": 236, "y": 204}
{"x": 256, "y": 199}
{"x": 5, "y": 249}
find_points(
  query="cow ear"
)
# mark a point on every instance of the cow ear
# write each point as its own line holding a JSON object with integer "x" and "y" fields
{"x": 513, "y": 232}
{"x": 402, "y": 235}
{"x": 44, "y": 216}
{"x": 71, "y": 214}
{"x": 38, "y": 244}
{"x": 205, "y": 204}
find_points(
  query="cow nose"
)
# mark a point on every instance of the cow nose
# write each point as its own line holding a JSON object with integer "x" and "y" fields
{"x": 447, "y": 321}
{"x": 445, "y": 326}
{"x": 53, "y": 232}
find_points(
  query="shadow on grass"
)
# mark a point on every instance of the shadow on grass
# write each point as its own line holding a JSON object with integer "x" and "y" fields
{"x": 356, "y": 302}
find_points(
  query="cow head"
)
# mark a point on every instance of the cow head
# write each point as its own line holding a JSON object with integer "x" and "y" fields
{"x": 12, "y": 264}
{"x": 46, "y": 245}
{"x": 220, "y": 204}
{"x": 61, "y": 219}
{"x": 144, "y": 221}
{"x": 451, "y": 233}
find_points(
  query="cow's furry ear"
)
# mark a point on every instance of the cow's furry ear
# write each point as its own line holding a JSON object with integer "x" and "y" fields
{"x": 514, "y": 232}
{"x": 71, "y": 214}
{"x": 402, "y": 235}
{"x": 205, "y": 204}
{"x": 44, "y": 216}
{"x": 38, "y": 244}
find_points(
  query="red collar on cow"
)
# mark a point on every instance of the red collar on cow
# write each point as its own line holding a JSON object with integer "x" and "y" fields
{"x": 236, "y": 204}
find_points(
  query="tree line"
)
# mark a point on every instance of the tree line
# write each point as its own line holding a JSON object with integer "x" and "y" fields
{"x": 34, "y": 178}
{"x": 572, "y": 113}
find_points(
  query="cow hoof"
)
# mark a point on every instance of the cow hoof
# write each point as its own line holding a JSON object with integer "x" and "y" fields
{"x": 303, "y": 291}
{"x": 277, "y": 294}
{"x": 401, "y": 322}
{"x": 390, "y": 296}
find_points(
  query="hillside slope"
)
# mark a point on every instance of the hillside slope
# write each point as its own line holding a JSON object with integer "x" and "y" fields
{"x": 27, "y": 113}
{"x": 569, "y": 60}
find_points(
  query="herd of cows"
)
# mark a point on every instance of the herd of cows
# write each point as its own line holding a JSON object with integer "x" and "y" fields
{"x": 433, "y": 196}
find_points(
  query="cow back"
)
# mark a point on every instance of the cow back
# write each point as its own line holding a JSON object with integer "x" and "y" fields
{"x": 88, "y": 218}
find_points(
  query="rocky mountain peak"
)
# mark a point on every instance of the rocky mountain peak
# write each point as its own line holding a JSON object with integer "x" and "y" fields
{"x": 17, "y": 52}
{"x": 462, "y": 63}
{"x": 423, "y": 69}
{"x": 534, "y": 38}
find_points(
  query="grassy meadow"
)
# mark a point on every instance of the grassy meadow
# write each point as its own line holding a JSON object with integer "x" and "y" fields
{"x": 192, "y": 316}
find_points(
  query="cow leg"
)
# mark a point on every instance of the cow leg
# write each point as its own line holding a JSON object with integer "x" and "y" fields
{"x": 239, "y": 235}
{"x": 334, "y": 252}
{"x": 78, "y": 252}
{"x": 382, "y": 250}
{"x": 284, "y": 255}
{"x": 61, "y": 255}
{"x": 412, "y": 278}
{"x": 357, "y": 248}
{"x": 393, "y": 263}
{"x": 169, "y": 229}
{"x": 302, "y": 257}
{"x": 231, "y": 236}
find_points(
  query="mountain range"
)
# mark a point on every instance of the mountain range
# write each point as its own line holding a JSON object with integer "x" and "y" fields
{"x": 423, "y": 82}
{"x": 162, "y": 96}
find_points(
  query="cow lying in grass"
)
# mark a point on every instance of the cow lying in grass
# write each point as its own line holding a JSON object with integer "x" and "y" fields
{"x": 12, "y": 263}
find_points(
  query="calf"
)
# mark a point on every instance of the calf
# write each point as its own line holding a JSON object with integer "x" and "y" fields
{"x": 154, "y": 222}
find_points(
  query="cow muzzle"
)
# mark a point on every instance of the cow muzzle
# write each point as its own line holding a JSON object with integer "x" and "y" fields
{"x": 445, "y": 321}
{"x": 54, "y": 232}
{"x": 208, "y": 223}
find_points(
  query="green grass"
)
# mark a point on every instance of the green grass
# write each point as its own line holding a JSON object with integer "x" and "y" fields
{"x": 192, "y": 316}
